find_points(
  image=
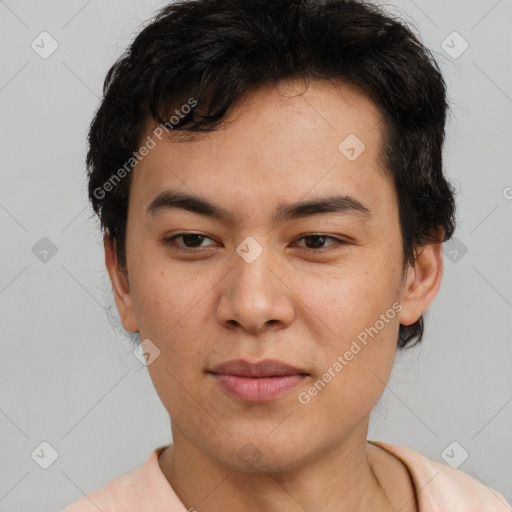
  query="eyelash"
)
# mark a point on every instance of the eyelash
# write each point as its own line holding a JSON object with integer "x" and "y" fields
{"x": 171, "y": 242}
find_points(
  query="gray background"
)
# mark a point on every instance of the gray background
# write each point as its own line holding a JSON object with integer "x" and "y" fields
{"x": 68, "y": 378}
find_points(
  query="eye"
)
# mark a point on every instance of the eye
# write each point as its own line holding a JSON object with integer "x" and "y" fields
{"x": 317, "y": 241}
{"x": 191, "y": 241}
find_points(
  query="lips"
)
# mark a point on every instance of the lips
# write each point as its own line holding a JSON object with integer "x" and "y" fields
{"x": 257, "y": 382}
{"x": 265, "y": 368}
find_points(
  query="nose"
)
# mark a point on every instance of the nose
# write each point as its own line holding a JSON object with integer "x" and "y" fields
{"x": 255, "y": 295}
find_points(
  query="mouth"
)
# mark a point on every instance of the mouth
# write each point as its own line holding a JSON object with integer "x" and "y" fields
{"x": 257, "y": 382}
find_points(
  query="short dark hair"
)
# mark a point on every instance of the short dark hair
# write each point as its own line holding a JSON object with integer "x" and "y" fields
{"x": 217, "y": 51}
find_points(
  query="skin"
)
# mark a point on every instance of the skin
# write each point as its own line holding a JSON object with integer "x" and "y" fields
{"x": 280, "y": 144}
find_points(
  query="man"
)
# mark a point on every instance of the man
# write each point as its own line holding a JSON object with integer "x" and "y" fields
{"x": 269, "y": 178}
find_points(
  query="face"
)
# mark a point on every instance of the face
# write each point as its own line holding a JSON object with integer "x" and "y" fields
{"x": 319, "y": 288}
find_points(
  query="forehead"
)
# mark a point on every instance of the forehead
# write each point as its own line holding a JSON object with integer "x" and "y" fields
{"x": 279, "y": 143}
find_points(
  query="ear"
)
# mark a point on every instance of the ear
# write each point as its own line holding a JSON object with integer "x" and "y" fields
{"x": 422, "y": 282}
{"x": 120, "y": 287}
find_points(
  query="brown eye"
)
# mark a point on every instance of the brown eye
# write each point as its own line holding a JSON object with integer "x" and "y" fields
{"x": 190, "y": 241}
{"x": 316, "y": 242}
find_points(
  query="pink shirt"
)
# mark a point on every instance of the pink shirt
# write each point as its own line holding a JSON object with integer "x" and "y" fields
{"x": 438, "y": 487}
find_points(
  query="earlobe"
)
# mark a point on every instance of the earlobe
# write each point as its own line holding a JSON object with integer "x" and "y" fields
{"x": 120, "y": 287}
{"x": 422, "y": 282}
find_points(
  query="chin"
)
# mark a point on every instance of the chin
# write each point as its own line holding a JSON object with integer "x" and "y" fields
{"x": 261, "y": 453}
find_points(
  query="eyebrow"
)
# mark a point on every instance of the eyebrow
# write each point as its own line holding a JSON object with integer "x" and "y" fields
{"x": 338, "y": 204}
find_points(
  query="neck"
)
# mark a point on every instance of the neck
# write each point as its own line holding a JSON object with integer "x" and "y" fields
{"x": 339, "y": 480}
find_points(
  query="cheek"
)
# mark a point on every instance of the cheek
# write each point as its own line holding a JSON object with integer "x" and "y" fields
{"x": 350, "y": 297}
{"x": 356, "y": 365}
{"x": 353, "y": 316}
{"x": 172, "y": 309}
{"x": 163, "y": 296}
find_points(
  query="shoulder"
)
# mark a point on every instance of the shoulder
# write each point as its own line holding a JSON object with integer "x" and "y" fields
{"x": 440, "y": 487}
{"x": 111, "y": 497}
{"x": 144, "y": 489}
